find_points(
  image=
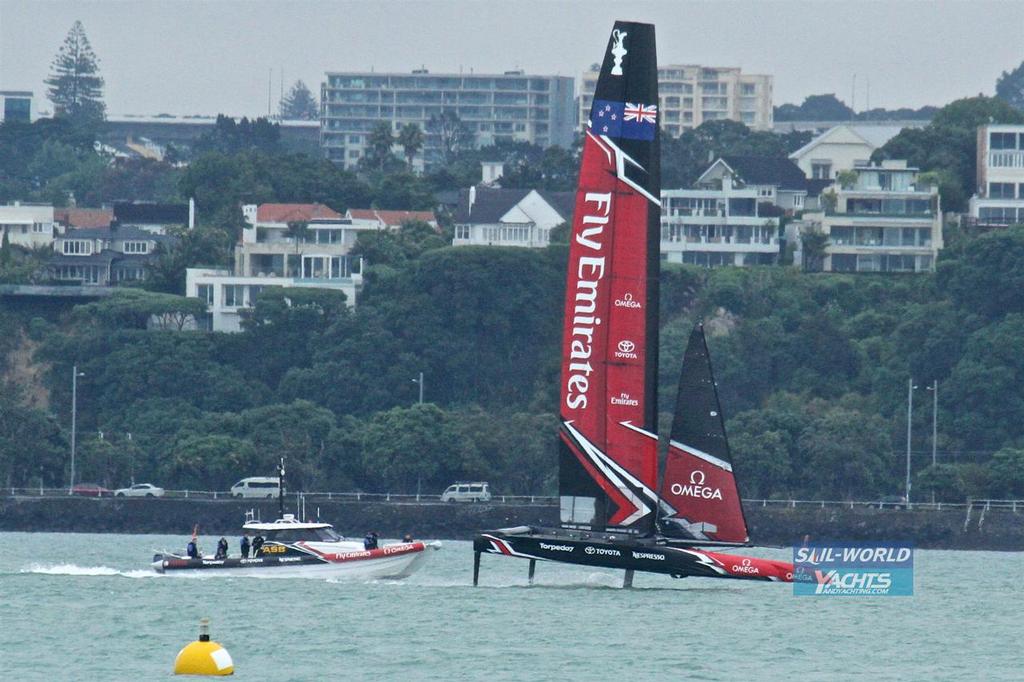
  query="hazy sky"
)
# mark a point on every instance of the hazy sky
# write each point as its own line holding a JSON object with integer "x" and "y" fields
{"x": 192, "y": 57}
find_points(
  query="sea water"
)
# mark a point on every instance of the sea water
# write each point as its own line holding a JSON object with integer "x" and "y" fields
{"x": 88, "y": 607}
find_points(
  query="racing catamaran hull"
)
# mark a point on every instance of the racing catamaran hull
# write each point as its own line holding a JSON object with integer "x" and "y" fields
{"x": 651, "y": 555}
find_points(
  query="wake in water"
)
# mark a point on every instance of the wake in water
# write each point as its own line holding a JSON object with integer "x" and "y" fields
{"x": 74, "y": 569}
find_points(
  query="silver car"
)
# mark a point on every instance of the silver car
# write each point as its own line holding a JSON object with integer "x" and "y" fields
{"x": 140, "y": 490}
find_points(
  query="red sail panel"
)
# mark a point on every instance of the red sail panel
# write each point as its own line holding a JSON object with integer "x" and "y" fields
{"x": 608, "y": 469}
{"x": 698, "y": 486}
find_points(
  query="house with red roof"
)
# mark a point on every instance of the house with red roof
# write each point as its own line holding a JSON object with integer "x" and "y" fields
{"x": 390, "y": 220}
{"x": 290, "y": 245}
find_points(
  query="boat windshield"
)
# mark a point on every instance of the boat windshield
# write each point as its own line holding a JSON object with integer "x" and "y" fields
{"x": 303, "y": 535}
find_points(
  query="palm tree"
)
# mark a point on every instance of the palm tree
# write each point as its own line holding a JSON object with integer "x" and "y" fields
{"x": 813, "y": 243}
{"x": 298, "y": 231}
{"x": 379, "y": 143}
{"x": 410, "y": 137}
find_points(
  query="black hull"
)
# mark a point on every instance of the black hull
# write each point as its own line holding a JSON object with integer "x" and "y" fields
{"x": 651, "y": 555}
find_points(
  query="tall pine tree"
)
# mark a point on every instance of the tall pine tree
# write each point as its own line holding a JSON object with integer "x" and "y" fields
{"x": 299, "y": 104}
{"x": 76, "y": 88}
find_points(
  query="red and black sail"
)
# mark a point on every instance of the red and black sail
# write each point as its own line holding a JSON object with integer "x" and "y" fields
{"x": 608, "y": 462}
{"x": 700, "y": 499}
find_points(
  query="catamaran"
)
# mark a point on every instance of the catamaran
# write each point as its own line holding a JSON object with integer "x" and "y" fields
{"x": 618, "y": 507}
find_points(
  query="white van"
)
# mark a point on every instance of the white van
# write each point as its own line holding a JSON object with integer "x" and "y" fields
{"x": 467, "y": 492}
{"x": 257, "y": 486}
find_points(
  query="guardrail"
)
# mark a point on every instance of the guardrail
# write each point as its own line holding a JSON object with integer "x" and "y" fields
{"x": 544, "y": 500}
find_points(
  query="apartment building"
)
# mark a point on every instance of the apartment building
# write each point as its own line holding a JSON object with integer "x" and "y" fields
{"x": 883, "y": 222}
{"x": 289, "y": 245}
{"x": 691, "y": 94}
{"x": 713, "y": 227}
{"x": 512, "y": 106}
{"x": 999, "y": 196}
{"x": 16, "y": 106}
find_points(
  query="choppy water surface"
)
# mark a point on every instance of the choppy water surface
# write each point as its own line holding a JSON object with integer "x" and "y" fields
{"x": 87, "y": 607}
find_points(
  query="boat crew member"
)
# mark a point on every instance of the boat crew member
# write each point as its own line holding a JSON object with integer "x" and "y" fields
{"x": 257, "y": 544}
{"x": 407, "y": 538}
{"x": 222, "y": 549}
{"x": 370, "y": 541}
{"x": 192, "y": 549}
{"x": 245, "y": 546}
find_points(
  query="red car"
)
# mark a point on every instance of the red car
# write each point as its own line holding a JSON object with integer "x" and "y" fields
{"x": 90, "y": 490}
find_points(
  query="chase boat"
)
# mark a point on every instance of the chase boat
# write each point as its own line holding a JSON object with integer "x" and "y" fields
{"x": 293, "y": 549}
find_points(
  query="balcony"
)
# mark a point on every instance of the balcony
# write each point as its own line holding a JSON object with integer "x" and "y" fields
{"x": 1006, "y": 158}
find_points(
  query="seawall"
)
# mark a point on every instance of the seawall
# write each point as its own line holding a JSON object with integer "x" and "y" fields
{"x": 944, "y": 529}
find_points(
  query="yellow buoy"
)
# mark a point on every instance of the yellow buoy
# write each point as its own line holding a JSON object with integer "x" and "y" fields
{"x": 204, "y": 657}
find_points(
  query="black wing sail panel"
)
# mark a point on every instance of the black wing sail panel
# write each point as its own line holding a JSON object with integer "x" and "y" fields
{"x": 608, "y": 408}
{"x": 700, "y": 499}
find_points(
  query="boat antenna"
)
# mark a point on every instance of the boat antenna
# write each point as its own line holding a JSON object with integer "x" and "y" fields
{"x": 280, "y": 489}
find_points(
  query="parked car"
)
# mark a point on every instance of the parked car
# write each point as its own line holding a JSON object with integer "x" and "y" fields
{"x": 140, "y": 490}
{"x": 89, "y": 490}
{"x": 257, "y": 486}
{"x": 467, "y": 492}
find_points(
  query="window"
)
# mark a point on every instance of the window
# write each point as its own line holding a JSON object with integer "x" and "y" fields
{"x": 38, "y": 227}
{"x": 1000, "y": 190}
{"x": 204, "y": 292}
{"x": 462, "y": 231}
{"x": 136, "y": 247}
{"x": 748, "y": 89}
{"x": 821, "y": 170}
{"x": 234, "y": 295}
{"x": 77, "y": 247}
{"x": 1003, "y": 140}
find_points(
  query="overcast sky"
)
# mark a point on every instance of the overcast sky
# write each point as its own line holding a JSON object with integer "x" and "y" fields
{"x": 191, "y": 57}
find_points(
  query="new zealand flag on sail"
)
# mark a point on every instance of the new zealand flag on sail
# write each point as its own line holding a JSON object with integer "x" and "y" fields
{"x": 632, "y": 120}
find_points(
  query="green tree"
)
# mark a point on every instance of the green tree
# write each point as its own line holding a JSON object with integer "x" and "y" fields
{"x": 815, "y": 108}
{"x": 449, "y": 136}
{"x": 299, "y": 104}
{"x": 845, "y": 451}
{"x": 75, "y": 86}
{"x": 208, "y": 462}
{"x": 139, "y": 309}
{"x": 1010, "y": 87}
{"x": 298, "y": 232}
{"x": 378, "y": 145}
{"x": 410, "y": 137}
{"x": 1007, "y": 468}
{"x": 813, "y": 243}
{"x": 944, "y": 482}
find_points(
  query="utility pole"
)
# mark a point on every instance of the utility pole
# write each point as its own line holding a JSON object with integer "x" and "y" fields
{"x": 910, "y": 411}
{"x": 74, "y": 421}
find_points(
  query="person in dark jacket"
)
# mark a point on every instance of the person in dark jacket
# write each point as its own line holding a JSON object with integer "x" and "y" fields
{"x": 257, "y": 543}
{"x": 222, "y": 549}
{"x": 245, "y": 546}
{"x": 371, "y": 540}
{"x": 192, "y": 550}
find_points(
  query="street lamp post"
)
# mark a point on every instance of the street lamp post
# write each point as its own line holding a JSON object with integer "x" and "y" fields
{"x": 934, "y": 388}
{"x": 74, "y": 419}
{"x": 910, "y": 410}
{"x": 420, "y": 382}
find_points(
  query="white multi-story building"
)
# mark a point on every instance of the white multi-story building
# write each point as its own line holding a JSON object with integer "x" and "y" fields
{"x": 999, "y": 195}
{"x": 283, "y": 245}
{"x": 716, "y": 227}
{"x": 513, "y": 106}
{"x": 841, "y": 148}
{"x": 690, "y": 95}
{"x": 27, "y": 225}
{"x": 509, "y": 217}
{"x": 884, "y": 222}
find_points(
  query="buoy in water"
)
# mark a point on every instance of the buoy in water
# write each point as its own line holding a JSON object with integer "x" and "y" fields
{"x": 204, "y": 657}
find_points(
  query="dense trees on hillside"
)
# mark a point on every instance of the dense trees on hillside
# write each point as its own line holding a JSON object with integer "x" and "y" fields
{"x": 812, "y": 372}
